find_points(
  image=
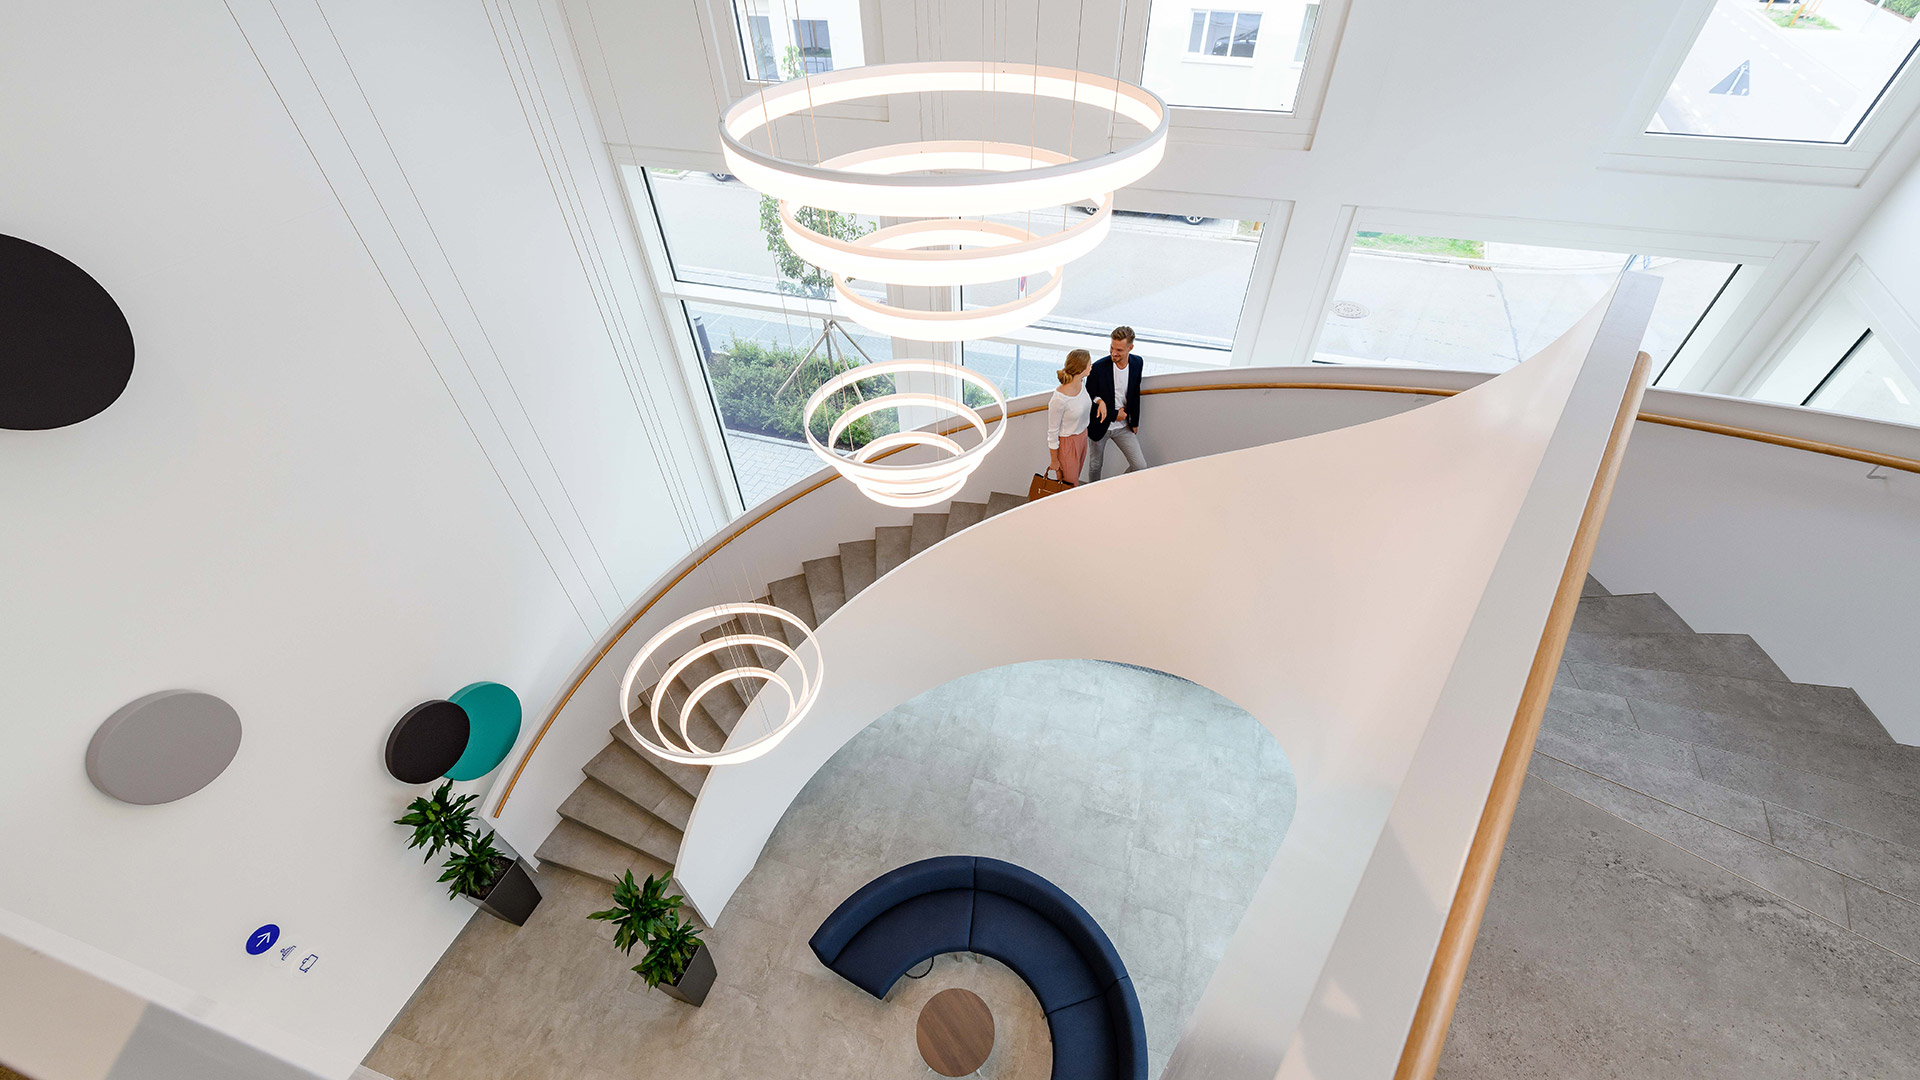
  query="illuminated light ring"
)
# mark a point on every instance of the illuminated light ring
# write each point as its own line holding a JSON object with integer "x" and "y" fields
{"x": 893, "y": 255}
{"x": 855, "y": 187}
{"x": 798, "y": 699}
{"x": 920, "y": 483}
{"x": 969, "y": 324}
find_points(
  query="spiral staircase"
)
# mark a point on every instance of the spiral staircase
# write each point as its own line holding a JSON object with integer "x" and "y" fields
{"x": 631, "y": 809}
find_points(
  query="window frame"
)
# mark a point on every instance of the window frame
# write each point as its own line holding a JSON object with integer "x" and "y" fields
{"x": 1202, "y": 56}
{"x": 1256, "y": 128}
{"x": 1634, "y": 149}
{"x": 730, "y": 38}
{"x": 1704, "y": 355}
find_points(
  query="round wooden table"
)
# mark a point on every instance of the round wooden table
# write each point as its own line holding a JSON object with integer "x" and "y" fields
{"x": 955, "y": 1032}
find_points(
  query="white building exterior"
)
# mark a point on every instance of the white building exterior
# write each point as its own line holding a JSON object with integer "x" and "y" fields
{"x": 825, "y": 33}
{"x": 1234, "y": 56}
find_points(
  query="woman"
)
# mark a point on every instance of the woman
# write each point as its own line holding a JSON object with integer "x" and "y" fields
{"x": 1067, "y": 413}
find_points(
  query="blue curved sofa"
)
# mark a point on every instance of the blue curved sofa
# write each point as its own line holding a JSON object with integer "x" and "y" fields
{"x": 966, "y": 903}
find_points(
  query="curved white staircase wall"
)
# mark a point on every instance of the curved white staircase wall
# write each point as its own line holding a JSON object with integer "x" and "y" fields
{"x": 1374, "y": 595}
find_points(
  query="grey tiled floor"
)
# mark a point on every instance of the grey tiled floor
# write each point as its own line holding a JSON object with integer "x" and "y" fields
{"x": 1711, "y": 874}
{"x": 1152, "y": 801}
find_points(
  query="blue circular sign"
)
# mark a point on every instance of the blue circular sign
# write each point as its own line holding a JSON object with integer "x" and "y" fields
{"x": 262, "y": 939}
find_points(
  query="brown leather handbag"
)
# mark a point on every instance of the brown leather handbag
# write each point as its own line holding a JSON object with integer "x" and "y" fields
{"x": 1044, "y": 485}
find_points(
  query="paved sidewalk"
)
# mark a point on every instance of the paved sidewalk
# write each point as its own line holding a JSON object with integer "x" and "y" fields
{"x": 767, "y": 466}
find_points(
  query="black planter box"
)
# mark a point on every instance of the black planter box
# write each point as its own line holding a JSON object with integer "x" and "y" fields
{"x": 513, "y": 896}
{"x": 696, "y": 980}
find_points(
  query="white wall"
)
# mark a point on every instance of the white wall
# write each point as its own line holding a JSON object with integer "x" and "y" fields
{"x": 397, "y": 423}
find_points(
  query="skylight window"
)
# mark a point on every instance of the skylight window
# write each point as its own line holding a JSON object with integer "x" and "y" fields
{"x": 1804, "y": 71}
{"x": 1212, "y": 58}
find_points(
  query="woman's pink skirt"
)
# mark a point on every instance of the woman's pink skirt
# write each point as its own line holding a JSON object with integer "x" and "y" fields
{"x": 1073, "y": 456}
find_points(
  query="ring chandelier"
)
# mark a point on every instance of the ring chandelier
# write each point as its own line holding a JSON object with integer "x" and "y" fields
{"x": 921, "y": 483}
{"x": 906, "y": 180}
{"x": 679, "y": 745}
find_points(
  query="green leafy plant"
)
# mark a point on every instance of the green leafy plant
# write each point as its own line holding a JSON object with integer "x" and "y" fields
{"x": 472, "y": 870}
{"x": 748, "y": 379}
{"x": 439, "y": 821}
{"x": 638, "y": 909}
{"x": 670, "y": 948}
{"x": 798, "y": 275}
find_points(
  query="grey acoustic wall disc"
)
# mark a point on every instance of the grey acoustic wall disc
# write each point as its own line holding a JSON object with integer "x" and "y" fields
{"x": 163, "y": 747}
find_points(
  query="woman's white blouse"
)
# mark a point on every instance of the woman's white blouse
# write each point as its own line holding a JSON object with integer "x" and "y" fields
{"x": 1067, "y": 416}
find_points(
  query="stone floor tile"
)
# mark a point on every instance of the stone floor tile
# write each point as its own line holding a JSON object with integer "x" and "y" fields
{"x": 1824, "y": 710}
{"x": 1622, "y": 737}
{"x": 1891, "y": 867}
{"x": 1863, "y": 809}
{"x": 1685, "y": 790}
{"x": 1151, "y": 943}
{"x": 1885, "y": 919}
{"x": 1890, "y": 768}
{"x": 1653, "y": 963}
{"x": 1702, "y": 654}
{"x": 1633, "y": 613}
{"x": 1570, "y": 698}
{"x": 1813, "y": 887}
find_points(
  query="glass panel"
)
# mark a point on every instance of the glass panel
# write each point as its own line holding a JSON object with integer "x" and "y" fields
{"x": 1788, "y": 71}
{"x": 1219, "y": 32}
{"x": 1484, "y": 306}
{"x": 754, "y": 364}
{"x": 1016, "y": 369}
{"x": 1175, "y": 280}
{"x": 1185, "y": 48}
{"x": 1245, "y": 33}
{"x": 785, "y": 39}
{"x": 1870, "y": 382}
{"x": 722, "y": 232}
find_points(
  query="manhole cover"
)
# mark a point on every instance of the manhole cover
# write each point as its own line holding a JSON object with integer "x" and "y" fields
{"x": 1347, "y": 309}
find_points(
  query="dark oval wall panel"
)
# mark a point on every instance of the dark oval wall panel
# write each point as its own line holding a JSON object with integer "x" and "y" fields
{"x": 427, "y": 742}
{"x": 163, "y": 747}
{"x": 66, "y": 351}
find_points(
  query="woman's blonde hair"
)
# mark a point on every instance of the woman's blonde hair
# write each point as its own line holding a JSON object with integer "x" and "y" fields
{"x": 1077, "y": 362}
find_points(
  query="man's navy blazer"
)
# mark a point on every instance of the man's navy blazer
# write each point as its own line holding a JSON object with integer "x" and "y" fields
{"x": 1100, "y": 388}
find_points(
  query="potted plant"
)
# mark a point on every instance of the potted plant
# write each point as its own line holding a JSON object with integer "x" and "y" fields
{"x": 493, "y": 880}
{"x": 676, "y": 961}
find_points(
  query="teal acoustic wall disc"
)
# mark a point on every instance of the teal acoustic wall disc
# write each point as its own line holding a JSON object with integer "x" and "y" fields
{"x": 495, "y": 712}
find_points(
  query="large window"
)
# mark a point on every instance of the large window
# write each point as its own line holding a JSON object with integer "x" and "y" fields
{"x": 1479, "y": 305}
{"x": 1869, "y": 381}
{"x": 1802, "y": 71}
{"x": 786, "y": 39}
{"x": 1177, "y": 280}
{"x": 1211, "y": 59}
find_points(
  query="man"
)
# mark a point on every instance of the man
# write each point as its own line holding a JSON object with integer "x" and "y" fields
{"x": 1114, "y": 385}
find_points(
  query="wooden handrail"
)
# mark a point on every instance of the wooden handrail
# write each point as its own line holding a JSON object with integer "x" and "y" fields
{"x": 1792, "y": 442}
{"x": 1434, "y": 1014}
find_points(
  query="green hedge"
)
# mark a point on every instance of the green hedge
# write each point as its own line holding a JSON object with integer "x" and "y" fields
{"x": 747, "y": 377}
{"x": 1909, "y": 8}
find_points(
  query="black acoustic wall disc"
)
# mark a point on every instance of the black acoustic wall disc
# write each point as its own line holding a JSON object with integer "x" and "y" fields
{"x": 427, "y": 742}
{"x": 66, "y": 351}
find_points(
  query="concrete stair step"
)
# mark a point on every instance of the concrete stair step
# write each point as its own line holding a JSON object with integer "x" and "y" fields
{"x": 962, "y": 514}
{"x": 859, "y": 565}
{"x": 1857, "y": 807}
{"x": 1829, "y": 710}
{"x": 893, "y": 545}
{"x": 826, "y": 587}
{"x": 722, "y": 704}
{"x": 1593, "y": 588}
{"x": 1635, "y": 613}
{"x": 1735, "y": 655}
{"x": 596, "y": 855}
{"x": 627, "y": 770}
{"x": 701, "y": 724}
{"x": 928, "y": 530}
{"x": 740, "y": 690}
{"x": 606, "y": 811}
{"x": 790, "y": 594}
{"x": 1000, "y": 502}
